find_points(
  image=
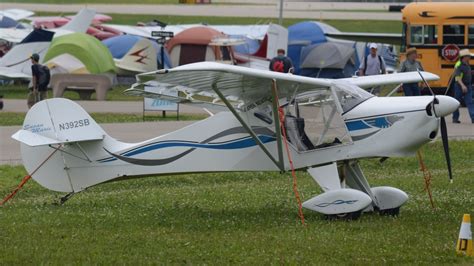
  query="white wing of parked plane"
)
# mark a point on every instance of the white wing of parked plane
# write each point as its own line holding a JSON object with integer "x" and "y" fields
{"x": 16, "y": 14}
{"x": 13, "y": 35}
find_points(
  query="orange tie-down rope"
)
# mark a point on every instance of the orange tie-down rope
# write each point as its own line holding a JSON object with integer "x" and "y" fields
{"x": 25, "y": 179}
{"x": 427, "y": 177}
{"x": 293, "y": 172}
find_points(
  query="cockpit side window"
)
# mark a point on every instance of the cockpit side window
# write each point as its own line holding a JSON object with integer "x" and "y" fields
{"x": 350, "y": 95}
{"x": 313, "y": 121}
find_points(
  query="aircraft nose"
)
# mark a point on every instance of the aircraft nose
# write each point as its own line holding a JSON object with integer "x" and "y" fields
{"x": 445, "y": 106}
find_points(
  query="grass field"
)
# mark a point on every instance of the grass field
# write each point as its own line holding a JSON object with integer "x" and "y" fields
{"x": 236, "y": 218}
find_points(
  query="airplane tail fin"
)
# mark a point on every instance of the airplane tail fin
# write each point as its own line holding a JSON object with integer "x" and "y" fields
{"x": 59, "y": 125}
{"x": 81, "y": 21}
{"x": 141, "y": 58}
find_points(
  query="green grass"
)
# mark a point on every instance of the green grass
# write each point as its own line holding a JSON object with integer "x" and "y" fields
{"x": 342, "y": 25}
{"x": 16, "y": 119}
{"x": 236, "y": 218}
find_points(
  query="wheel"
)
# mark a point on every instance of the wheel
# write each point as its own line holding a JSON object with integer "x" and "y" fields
{"x": 350, "y": 216}
{"x": 390, "y": 212}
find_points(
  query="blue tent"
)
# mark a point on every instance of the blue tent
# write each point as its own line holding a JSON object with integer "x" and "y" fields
{"x": 303, "y": 34}
{"x": 7, "y": 22}
{"x": 250, "y": 47}
{"x": 120, "y": 45}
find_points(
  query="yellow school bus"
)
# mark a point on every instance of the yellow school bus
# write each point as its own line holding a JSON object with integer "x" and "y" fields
{"x": 438, "y": 31}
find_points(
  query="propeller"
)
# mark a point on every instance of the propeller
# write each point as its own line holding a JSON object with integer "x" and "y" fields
{"x": 442, "y": 112}
{"x": 444, "y": 138}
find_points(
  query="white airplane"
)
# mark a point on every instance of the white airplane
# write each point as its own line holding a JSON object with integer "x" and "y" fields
{"x": 16, "y": 63}
{"x": 329, "y": 125}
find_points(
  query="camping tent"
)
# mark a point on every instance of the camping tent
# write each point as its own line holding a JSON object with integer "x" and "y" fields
{"x": 192, "y": 45}
{"x": 124, "y": 46}
{"x": 334, "y": 59}
{"x": 303, "y": 34}
{"x": 7, "y": 22}
{"x": 79, "y": 53}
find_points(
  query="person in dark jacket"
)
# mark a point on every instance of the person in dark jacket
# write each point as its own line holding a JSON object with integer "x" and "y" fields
{"x": 281, "y": 63}
{"x": 38, "y": 91}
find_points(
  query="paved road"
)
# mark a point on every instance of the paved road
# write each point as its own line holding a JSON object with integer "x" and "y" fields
{"x": 304, "y": 10}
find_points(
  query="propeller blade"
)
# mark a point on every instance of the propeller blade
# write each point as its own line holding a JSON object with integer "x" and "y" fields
{"x": 444, "y": 138}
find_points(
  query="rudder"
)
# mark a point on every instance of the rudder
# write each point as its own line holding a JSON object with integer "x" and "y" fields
{"x": 49, "y": 125}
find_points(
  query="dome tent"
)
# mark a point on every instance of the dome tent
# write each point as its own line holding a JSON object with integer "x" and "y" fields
{"x": 79, "y": 53}
{"x": 128, "y": 45}
{"x": 303, "y": 34}
{"x": 192, "y": 45}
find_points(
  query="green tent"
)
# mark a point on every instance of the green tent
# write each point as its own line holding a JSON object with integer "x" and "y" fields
{"x": 79, "y": 53}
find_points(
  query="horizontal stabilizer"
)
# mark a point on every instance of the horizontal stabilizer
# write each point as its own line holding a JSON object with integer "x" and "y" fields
{"x": 32, "y": 139}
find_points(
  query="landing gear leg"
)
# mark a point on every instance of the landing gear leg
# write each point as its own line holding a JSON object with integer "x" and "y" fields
{"x": 385, "y": 200}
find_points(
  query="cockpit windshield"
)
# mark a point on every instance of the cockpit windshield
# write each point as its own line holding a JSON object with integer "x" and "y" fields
{"x": 350, "y": 95}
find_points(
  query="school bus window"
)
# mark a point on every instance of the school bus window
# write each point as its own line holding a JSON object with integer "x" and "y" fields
{"x": 453, "y": 34}
{"x": 416, "y": 35}
{"x": 403, "y": 47}
{"x": 470, "y": 38}
{"x": 430, "y": 34}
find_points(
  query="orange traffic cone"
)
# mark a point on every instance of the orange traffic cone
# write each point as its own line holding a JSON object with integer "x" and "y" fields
{"x": 464, "y": 245}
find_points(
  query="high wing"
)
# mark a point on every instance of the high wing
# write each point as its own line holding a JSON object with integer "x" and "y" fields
{"x": 396, "y": 78}
{"x": 202, "y": 82}
{"x": 389, "y": 38}
{"x": 239, "y": 85}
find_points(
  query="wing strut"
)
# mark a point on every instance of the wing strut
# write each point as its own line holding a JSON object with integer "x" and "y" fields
{"x": 248, "y": 128}
{"x": 276, "y": 118}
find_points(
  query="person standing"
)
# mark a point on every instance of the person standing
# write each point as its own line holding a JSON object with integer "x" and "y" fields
{"x": 40, "y": 81}
{"x": 373, "y": 64}
{"x": 463, "y": 84}
{"x": 281, "y": 63}
{"x": 411, "y": 65}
